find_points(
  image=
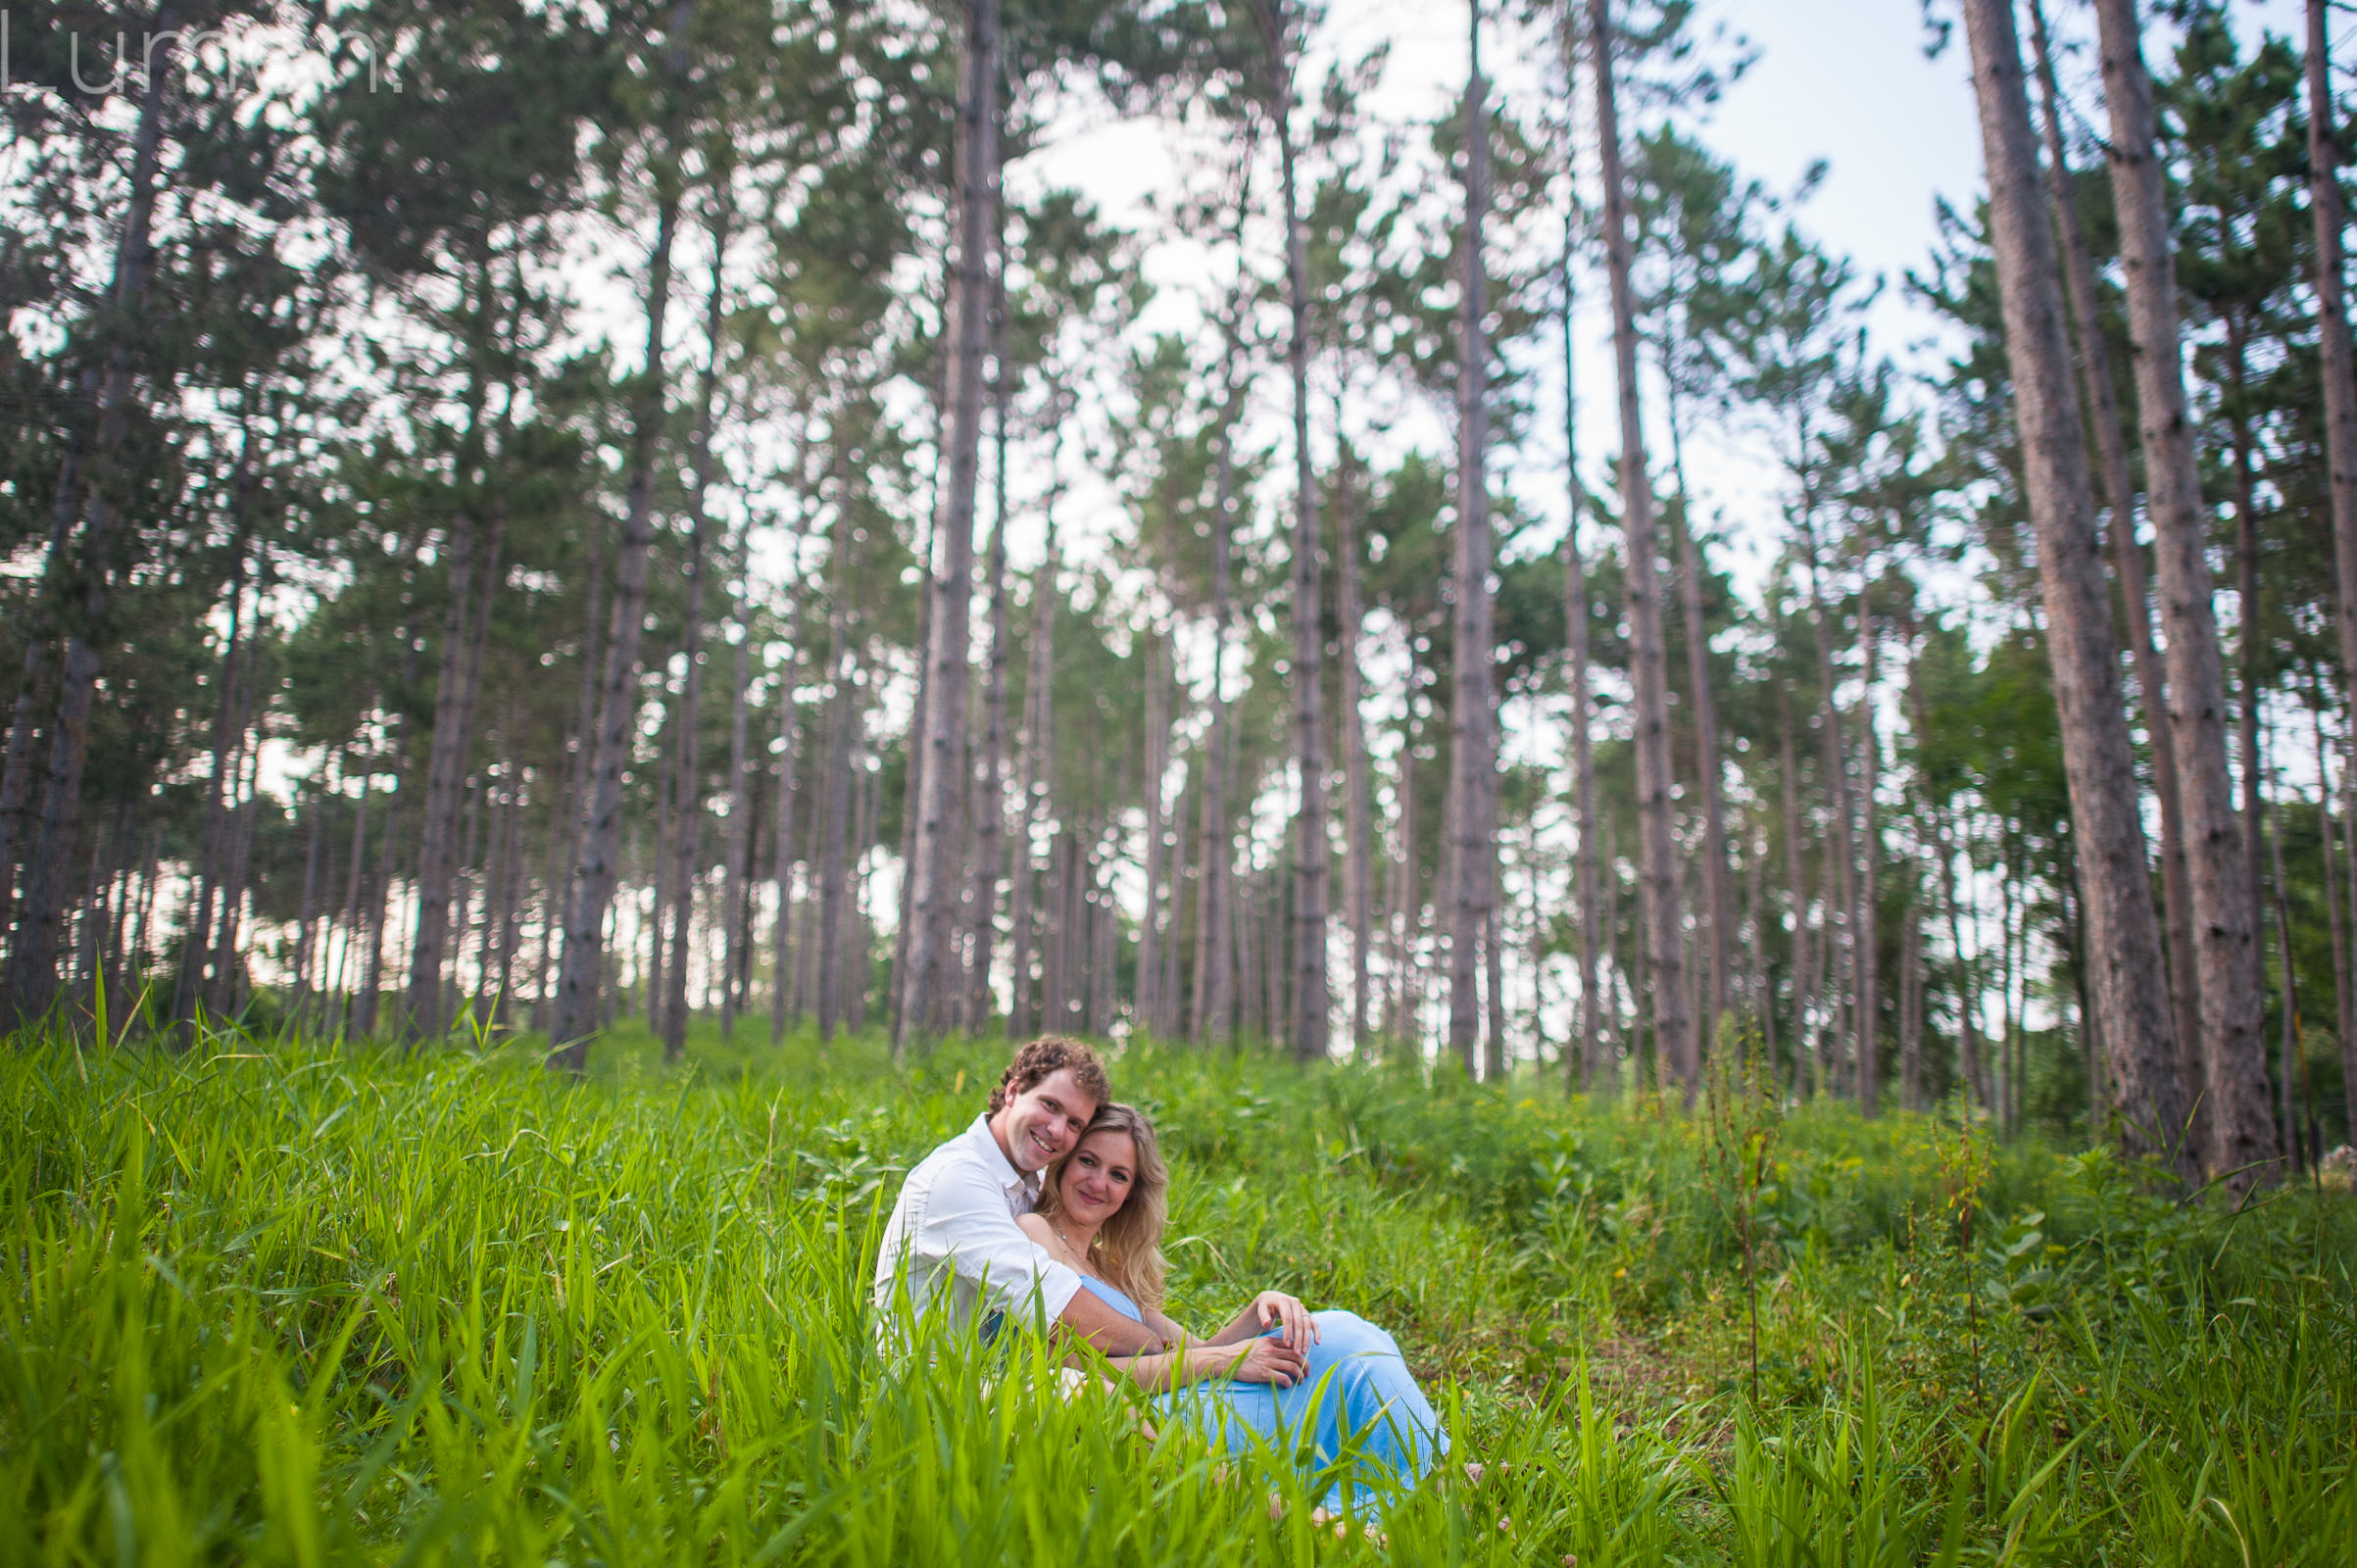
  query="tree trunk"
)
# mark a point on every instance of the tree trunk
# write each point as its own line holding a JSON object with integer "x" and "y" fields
{"x": 2340, "y": 377}
{"x": 388, "y": 857}
{"x": 1023, "y": 1016}
{"x": 469, "y": 874}
{"x": 307, "y": 930}
{"x": 478, "y": 638}
{"x": 15, "y": 766}
{"x": 739, "y": 881}
{"x": 1763, "y": 994}
{"x": 913, "y": 789}
{"x": 1174, "y": 986}
{"x": 930, "y": 981}
{"x": 1147, "y": 1011}
{"x": 2013, "y": 934}
{"x": 1472, "y": 748}
{"x": 511, "y": 902}
{"x": 1214, "y": 974}
{"x": 1498, "y": 1060}
{"x": 2327, "y": 866}
{"x": 658, "y": 868}
{"x": 1870, "y": 846}
{"x": 1056, "y": 924}
{"x": 568, "y": 822}
{"x": 834, "y": 825}
{"x": 789, "y": 790}
{"x": 687, "y": 797}
{"x": 1716, "y": 891}
{"x": 1308, "y": 1024}
{"x": 2232, "y": 1011}
{"x": 1910, "y": 1010}
{"x": 2345, "y": 982}
{"x": 473, "y": 584}
{"x": 1538, "y": 933}
{"x": 859, "y": 952}
{"x": 84, "y": 589}
{"x": 1839, "y": 1050}
{"x": 2128, "y": 563}
{"x": 989, "y": 787}
{"x": 355, "y": 879}
{"x": 747, "y": 908}
{"x": 1358, "y": 868}
{"x": 1673, "y": 1024}
{"x": 196, "y": 940}
{"x": 1795, "y": 867}
{"x": 1617, "y": 989}
{"x": 1104, "y": 939}
{"x": 1401, "y": 1018}
{"x": 2250, "y": 638}
{"x": 1592, "y": 1067}
{"x": 2124, "y": 934}
{"x": 224, "y": 993}
{"x": 585, "y": 923}
{"x": 2287, "y": 1125}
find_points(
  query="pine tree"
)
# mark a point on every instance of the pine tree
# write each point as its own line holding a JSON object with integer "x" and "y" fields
{"x": 1672, "y": 1021}
{"x": 2225, "y": 915}
{"x": 2124, "y": 935}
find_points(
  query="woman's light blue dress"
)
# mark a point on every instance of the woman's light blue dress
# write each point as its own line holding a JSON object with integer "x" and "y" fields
{"x": 1358, "y": 1401}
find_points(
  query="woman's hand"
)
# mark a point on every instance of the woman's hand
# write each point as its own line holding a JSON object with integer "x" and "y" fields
{"x": 1268, "y": 1360}
{"x": 1276, "y": 1310}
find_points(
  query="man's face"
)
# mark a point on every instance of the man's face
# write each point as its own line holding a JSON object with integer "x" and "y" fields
{"x": 1043, "y": 1121}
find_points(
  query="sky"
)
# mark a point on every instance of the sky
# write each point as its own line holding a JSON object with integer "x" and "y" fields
{"x": 1853, "y": 83}
{"x": 1844, "y": 81}
{"x": 1850, "y": 82}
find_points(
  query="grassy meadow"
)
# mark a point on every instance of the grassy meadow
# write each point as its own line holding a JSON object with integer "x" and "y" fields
{"x": 273, "y": 1302}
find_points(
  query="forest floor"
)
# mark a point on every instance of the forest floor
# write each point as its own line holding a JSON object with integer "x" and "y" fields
{"x": 271, "y": 1301}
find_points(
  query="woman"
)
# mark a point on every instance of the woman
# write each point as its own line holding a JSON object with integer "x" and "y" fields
{"x": 1275, "y": 1373}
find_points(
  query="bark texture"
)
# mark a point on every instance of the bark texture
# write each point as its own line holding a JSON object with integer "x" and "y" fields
{"x": 931, "y": 980}
{"x": 2339, "y": 367}
{"x": 2241, "y": 1135}
{"x": 2124, "y": 932}
{"x": 1673, "y": 1019}
{"x": 2128, "y": 563}
{"x": 82, "y": 589}
{"x": 1311, "y": 1000}
{"x": 1472, "y": 745}
{"x": 577, "y": 983}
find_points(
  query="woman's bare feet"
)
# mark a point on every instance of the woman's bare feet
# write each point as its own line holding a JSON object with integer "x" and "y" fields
{"x": 1467, "y": 1476}
{"x": 1320, "y": 1519}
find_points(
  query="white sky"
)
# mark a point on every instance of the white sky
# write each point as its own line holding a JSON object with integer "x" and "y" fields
{"x": 1848, "y": 81}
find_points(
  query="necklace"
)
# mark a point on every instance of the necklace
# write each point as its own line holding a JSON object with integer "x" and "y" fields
{"x": 1081, "y": 1253}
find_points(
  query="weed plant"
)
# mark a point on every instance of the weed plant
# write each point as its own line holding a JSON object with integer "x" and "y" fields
{"x": 271, "y": 1301}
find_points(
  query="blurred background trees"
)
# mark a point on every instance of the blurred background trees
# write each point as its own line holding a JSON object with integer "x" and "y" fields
{"x": 525, "y": 517}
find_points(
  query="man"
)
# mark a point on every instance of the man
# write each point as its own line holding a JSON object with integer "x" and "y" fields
{"x": 954, "y": 1231}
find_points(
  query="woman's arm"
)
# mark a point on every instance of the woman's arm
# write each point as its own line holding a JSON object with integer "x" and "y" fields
{"x": 1252, "y": 1360}
{"x": 1270, "y": 1309}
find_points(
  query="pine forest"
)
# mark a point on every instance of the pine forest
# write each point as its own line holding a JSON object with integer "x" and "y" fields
{"x": 605, "y": 605}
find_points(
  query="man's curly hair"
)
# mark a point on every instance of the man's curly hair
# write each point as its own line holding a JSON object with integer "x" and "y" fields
{"x": 1041, "y": 1060}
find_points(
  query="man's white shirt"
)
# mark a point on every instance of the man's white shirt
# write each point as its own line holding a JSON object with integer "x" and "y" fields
{"x": 955, "y": 1230}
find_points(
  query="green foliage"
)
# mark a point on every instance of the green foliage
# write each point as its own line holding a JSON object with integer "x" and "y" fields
{"x": 270, "y": 1303}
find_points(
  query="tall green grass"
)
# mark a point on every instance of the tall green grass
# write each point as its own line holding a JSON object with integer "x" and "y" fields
{"x": 273, "y": 1302}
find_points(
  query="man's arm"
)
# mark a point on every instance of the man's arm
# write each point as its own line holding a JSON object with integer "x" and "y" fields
{"x": 965, "y": 1222}
{"x": 1099, "y": 1328}
{"x": 1086, "y": 1316}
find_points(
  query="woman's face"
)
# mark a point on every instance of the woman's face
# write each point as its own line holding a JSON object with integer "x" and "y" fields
{"x": 1097, "y": 1178}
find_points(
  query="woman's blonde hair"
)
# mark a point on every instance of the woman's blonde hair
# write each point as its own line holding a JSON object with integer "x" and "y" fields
{"x": 1128, "y": 1250}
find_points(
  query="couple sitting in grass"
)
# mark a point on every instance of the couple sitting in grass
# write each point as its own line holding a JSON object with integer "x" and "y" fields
{"x": 1051, "y": 1208}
